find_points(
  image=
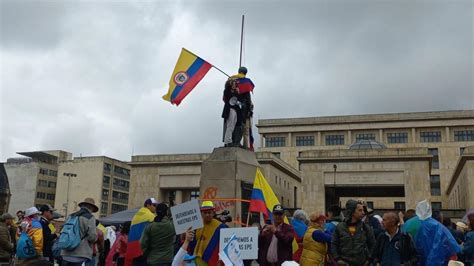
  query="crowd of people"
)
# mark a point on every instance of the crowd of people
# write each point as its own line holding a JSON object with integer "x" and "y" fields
{"x": 357, "y": 236}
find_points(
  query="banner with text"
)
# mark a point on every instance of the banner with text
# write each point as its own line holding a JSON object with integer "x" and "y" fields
{"x": 247, "y": 239}
{"x": 186, "y": 215}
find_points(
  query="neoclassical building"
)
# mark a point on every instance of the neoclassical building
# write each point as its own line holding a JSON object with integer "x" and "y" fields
{"x": 397, "y": 159}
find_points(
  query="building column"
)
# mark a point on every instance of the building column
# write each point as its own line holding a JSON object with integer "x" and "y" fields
{"x": 179, "y": 197}
{"x": 448, "y": 137}
{"x": 262, "y": 142}
{"x": 319, "y": 138}
{"x": 289, "y": 140}
{"x": 349, "y": 137}
{"x": 381, "y": 136}
{"x": 413, "y": 135}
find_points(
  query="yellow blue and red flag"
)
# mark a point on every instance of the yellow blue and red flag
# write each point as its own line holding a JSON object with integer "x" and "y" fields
{"x": 140, "y": 220}
{"x": 263, "y": 200}
{"x": 189, "y": 70}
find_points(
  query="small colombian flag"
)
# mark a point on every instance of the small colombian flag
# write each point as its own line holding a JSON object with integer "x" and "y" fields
{"x": 189, "y": 70}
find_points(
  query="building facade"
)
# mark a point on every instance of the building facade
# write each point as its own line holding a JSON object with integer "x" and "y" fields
{"x": 104, "y": 179}
{"x": 439, "y": 136}
{"x": 176, "y": 178}
{"x": 33, "y": 178}
{"x": 461, "y": 185}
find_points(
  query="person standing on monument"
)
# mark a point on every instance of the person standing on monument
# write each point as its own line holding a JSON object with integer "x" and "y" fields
{"x": 245, "y": 86}
{"x": 232, "y": 114}
{"x": 205, "y": 245}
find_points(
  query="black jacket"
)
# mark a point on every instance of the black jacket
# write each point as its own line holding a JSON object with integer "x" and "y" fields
{"x": 48, "y": 239}
{"x": 406, "y": 248}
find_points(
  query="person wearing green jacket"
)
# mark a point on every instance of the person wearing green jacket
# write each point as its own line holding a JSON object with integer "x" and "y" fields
{"x": 157, "y": 241}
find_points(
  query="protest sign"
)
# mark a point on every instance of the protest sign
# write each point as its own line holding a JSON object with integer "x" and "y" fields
{"x": 186, "y": 215}
{"x": 247, "y": 239}
{"x": 231, "y": 254}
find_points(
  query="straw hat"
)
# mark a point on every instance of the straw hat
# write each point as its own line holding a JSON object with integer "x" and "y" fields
{"x": 89, "y": 202}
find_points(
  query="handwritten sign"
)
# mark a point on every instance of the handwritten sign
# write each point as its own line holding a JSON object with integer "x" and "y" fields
{"x": 231, "y": 254}
{"x": 247, "y": 238}
{"x": 186, "y": 215}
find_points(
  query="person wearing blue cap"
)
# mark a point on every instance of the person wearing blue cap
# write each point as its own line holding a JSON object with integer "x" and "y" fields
{"x": 182, "y": 258}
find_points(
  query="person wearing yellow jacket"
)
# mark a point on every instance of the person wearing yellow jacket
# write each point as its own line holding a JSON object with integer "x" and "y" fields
{"x": 32, "y": 226}
{"x": 315, "y": 241}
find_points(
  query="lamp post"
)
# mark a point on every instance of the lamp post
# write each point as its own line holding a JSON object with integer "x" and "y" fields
{"x": 69, "y": 175}
{"x": 334, "y": 186}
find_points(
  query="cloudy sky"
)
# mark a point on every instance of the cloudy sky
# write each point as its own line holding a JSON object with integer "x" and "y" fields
{"x": 88, "y": 76}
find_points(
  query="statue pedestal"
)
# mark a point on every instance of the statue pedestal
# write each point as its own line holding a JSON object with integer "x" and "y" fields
{"x": 228, "y": 174}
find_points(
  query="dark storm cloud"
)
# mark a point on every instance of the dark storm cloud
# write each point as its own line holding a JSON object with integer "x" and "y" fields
{"x": 88, "y": 76}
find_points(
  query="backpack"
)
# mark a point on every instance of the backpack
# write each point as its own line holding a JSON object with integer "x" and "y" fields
{"x": 70, "y": 236}
{"x": 24, "y": 247}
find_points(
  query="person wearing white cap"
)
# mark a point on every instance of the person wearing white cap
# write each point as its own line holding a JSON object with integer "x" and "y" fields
{"x": 83, "y": 252}
{"x": 32, "y": 226}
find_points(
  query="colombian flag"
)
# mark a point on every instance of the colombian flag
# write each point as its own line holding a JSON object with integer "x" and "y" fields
{"x": 206, "y": 243}
{"x": 189, "y": 70}
{"x": 263, "y": 200}
{"x": 140, "y": 220}
{"x": 245, "y": 85}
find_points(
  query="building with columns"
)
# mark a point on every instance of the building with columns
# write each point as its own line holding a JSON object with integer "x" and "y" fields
{"x": 176, "y": 178}
{"x": 418, "y": 158}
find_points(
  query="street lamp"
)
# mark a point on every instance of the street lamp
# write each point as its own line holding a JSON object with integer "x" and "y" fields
{"x": 335, "y": 195}
{"x": 69, "y": 175}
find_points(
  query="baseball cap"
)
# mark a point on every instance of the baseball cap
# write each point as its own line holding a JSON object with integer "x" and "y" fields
{"x": 207, "y": 205}
{"x": 278, "y": 209}
{"x": 150, "y": 201}
{"x": 46, "y": 208}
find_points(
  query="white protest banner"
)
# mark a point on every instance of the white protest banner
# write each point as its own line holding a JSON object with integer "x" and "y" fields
{"x": 247, "y": 238}
{"x": 231, "y": 254}
{"x": 186, "y": 215}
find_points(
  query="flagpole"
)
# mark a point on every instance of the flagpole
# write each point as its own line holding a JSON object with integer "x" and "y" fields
{"x": 206, "y": 61}
{"x": 241, "y": 40}
{"x": 220, "y": 71}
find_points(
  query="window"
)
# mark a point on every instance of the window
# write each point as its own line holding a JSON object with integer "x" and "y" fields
{"x": 42, "y": 183}
{"x": 53, "y": 173}
{"x": 335, "y": 140}
{"x": 106, "y": 180}
{"x": 304, "y": 140}
{"x": 401, "y": 137}
{"x": 121, "y": 171}
{"x": 399, "y": 205}
{"x": 195, "y": 194}
{"x": 435, "y": 162}
{"x": 105, "y": 193}
{"x": 52, "y": 184}
{"x": 118, "y": 208}
{"x": 464, "y": 135}
{"x": 276, "y": 154}
{"x": 50, "y": 196}
{"x": 461, "y": 150}
{"x": 43, "y": 171}
{"x": 436, "y": 206}
{"x": 435, "y": 185}
{"x": 120, "y": 196}
{"x": 367, "y": 136}
{"x": 275, "y": 142}
{"x": 434, "y": 136}
{"x": 40, "y": 195}
{"x": 370, "y": 205}
{"x": 121, "y": 184}
{"x": 107, "y": 167}
{"x": 104, "y": 206}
